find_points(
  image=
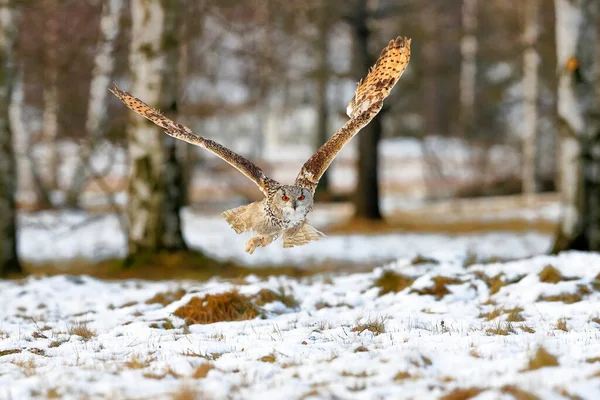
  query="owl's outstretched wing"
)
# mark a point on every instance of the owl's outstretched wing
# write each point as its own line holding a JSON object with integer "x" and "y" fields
{"x": 184, "y": 133}
{"x": 365, "y": 105}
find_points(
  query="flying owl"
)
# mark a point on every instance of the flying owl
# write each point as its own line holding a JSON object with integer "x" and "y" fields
{"x": 284, "y": 209}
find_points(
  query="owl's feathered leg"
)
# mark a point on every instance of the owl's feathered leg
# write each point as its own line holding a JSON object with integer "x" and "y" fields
{"x": 259, "y": 240}
{"x": 239, "y": 218}
{"x": 300, "y": 235}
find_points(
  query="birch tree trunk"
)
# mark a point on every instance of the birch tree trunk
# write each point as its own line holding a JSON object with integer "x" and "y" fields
{"x": 579, "y": 146}
{"x": 366, "y": 195}
{"x": 50, "y": 160}
{"x": 9, "y": 261}
{"x": 468, "y": 68}
{"x": 101, "y": 76}
{"x": 146, "y": 154}
{"x": 530, "y": 91}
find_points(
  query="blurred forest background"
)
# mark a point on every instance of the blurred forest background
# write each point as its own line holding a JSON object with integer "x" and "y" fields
{"x": 501, "y": 98}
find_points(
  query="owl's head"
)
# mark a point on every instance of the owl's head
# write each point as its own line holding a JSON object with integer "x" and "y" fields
{"x": 293, "y": 203}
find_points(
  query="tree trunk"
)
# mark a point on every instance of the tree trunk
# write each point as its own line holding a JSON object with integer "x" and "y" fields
{"x": 101, "y": 75}
{"x": 468, "y": 68}
{"x": 366, "y": 196}
{"x": 579, "y": 151}
{"x": 322, "y": 81}
{"x": 530, "y": 91}
{"x": 146, "y": 193}
{"x": 50, "y": 160}
{"x": 172, "y": 238}
{"x": 9, "y": 261}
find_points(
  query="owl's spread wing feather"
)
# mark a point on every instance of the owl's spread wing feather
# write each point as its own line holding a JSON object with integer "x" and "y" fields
{"x": 363, "y": 107}
{"x": 184, "y": 133}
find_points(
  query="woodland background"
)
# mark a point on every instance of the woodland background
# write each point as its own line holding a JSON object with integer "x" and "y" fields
{"x": 501, "y": 98}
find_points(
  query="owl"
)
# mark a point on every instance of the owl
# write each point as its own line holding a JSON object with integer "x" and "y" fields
{"x": 284, "y": 209}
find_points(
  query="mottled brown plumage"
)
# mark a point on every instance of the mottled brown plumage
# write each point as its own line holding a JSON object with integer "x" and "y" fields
{"x": 284, "y": 209}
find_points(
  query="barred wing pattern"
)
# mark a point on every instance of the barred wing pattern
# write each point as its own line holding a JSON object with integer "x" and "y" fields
{"x": 363, "y": 107}
{"x": 184, "y": 133}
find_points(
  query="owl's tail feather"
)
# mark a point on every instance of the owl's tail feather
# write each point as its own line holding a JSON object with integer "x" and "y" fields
{"x": 301, "y": 235}
{"x": 238, "y": 218}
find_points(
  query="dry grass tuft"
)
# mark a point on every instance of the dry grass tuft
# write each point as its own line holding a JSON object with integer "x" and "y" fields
{"x": 592, "y": 360}
{"x": 501, "y": 328}
{"x": 568, "y": 298}
{"x": 561, "y": 325}
{"x": 462, "y": 394}
{"x": 527, "y": 328}
{"x": 9, "y": 352}
{"x": 420, "y": 260}
{"x": 226, "y": 306}
{"x": 187, "y": 393}
{"x": 166, "y": 298}
{"x": 514, "y": 314}
{"x": 518, "y": 394}
{"x": 361, "y": 349}
{"x": 402, "y": 376}
{"x": 136, "y": 362}
{"x": 596, "y": 283}
{"x": 541, "y": 359}
{"x": 376, "y": 326}
{"x": 265, "y": 296}
{"x": 202, "y": 370}
{"x": 28, "y": 367}
{"x": 81, "y": 329}
{"x": 439, "y": 288}
{"x": 595, "y": 320}
{"x": 495, "y": 313}
{"x": 391, "y": 281}
{"x": 551, "y": 275}
{"x": 164, "y": 324}
{"x": 269, "y": 358}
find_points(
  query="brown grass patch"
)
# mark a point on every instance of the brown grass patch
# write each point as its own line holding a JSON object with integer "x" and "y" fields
{"x": 376, "y": 326}
{"x": 361, "y": 349}
{"x": 269, "y": 358}
{"x": 390, "y": 281}
{"x": 501, "y": 328}
{"x": 265, "y": 296}
{"x": 495, "y": 313}
{"x": 439, "y": 288}
{"x": 462, "y": 394}
{"x": 187, "y": 393}
{"x": 166, "y": 324}
{"x": 202, "y": 370}
{"x": 226, "y": 306}
{"x": 514, "y": 314}
{"x": 81, "y": 329}
{"x": 166, "y": 298}
{"x": 136, "y": 362}
{"x": 568, "y": 298}
{"x": 527, "y": 328}
{"x": 541, "y": 359}
{"x": 551, "y": 275}
{"x": 518, "y": 394}
{"x": 420, "y": 260}
{"x": 592, "y": 360}
{"x": 561, "y": 325}
{"x": 9, "y": 352}
{"x": 402, "y": 376}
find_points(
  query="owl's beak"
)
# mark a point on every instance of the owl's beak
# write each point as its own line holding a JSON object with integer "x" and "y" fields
{"x": 294, "y": 204}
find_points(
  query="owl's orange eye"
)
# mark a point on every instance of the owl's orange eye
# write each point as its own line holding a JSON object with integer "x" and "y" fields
{"x": 301, "y": 197}
{"x": 284, "y": 198}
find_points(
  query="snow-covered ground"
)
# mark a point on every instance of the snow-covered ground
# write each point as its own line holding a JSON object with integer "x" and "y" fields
{"x": 65, "y": 235}
{"x": 77, "y": 337}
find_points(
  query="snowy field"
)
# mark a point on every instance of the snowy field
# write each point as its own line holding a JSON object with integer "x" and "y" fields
{"x": 526, "y": 329}
{"x": 65, "y": 235}
{"x": 441, "y": 321}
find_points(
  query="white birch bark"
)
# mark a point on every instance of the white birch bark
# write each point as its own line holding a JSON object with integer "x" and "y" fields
{"x": 9, "y": 262}
{"x": 468, "y": 67}
{"x": 145, "y": 194}
{"x": 574, "y": 47}
{"x": 103, "y": 65}
{"x": 530, "y": 93}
